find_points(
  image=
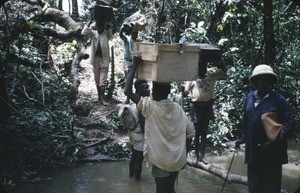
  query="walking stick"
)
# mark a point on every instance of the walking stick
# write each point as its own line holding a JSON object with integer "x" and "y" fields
{"x": 234, "y": 152}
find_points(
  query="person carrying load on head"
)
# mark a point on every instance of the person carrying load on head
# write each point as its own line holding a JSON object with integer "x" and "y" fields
{"x": 203, "y": 97}
{"x": 134, "y": 122}
{"x": 167, "y": 131}
{"x": 100, "y": 34}
{"x": 129, "y": 33}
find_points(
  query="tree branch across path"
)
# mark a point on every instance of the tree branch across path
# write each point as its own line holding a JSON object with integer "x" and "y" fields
{"x": 231, "y": 178}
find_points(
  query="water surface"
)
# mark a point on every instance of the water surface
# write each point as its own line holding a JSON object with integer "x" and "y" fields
{"x": 113, "y": 177}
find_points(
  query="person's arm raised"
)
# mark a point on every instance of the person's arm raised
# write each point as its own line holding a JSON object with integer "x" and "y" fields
{"x": 129, "y": 79}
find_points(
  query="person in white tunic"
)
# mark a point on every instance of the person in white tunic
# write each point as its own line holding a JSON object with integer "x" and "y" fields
{"x": 167, "y": 129}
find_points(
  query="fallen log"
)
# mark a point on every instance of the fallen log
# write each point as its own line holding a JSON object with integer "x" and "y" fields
{"x": 221, "y": 173}
{"x": 98, "y": 158}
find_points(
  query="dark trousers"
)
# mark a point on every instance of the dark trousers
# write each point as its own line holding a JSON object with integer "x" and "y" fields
{"x": 200, "y": 134}
{"x": 201, "y": 115}
{"x": 264, "y": 178}
{"x": 166, "y": 184}
{"x": 135, "y": 164}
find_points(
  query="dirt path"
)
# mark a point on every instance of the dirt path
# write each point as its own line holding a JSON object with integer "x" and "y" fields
{"x": 90, "y": 111}
{"x": 87, "y": 84}
{"x": 87, "y": 90}
{"x": 93, "y": 117}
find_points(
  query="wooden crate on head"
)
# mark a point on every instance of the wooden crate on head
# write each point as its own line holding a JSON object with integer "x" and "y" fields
{"x": 103, "y": 12}
{"x": 174, "y": 62}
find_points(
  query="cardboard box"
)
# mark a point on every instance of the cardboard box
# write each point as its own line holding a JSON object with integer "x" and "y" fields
{"x": 167, "y": 62}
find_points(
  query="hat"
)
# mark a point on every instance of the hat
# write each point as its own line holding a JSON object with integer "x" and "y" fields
{"x": 263, "y": 69}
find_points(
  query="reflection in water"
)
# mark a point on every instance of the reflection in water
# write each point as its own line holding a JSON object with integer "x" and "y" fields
{"x": 113, "y": 177}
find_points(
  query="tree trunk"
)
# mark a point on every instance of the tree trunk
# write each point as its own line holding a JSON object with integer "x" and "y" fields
{"x": 4, "y": 108}
{"x": 80, "y": 55}
{"x": 112, "y": 82}
{"x": 216, "y": 18}
{"x": 2, "y": 2}
{"x": 61, "y": 18}
{"x": 182, "y": 23}
{"x": 160, "y": 19}
{"x": 60, "y": 4}
{"x": 269, "y": 32}
{"x": 297, "y": 2}
{"x": 75, "y": 14}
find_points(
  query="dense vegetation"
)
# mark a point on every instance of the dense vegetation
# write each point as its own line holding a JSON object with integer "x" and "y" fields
{"x": 38, "y": 99}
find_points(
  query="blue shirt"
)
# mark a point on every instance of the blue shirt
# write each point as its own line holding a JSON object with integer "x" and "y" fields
{"x": 254, "y": 133}
{"x": 127, "y": 48}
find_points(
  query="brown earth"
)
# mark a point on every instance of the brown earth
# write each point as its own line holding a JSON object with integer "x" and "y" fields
{"x": 92, "y": 116}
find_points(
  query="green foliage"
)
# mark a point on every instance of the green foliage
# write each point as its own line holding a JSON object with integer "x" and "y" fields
{"x": 242, "y": 45}
{"x": 41, "y": 102}
{"x": 115, "y": 123}
{"x": 41, "y": 98}
{"x": 118, "y": 151}
{"x": 63, "y": 57}
{"x": 195, "y": 33}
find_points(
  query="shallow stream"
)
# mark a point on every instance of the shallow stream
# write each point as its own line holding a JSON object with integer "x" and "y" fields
{"x": 113, "y": 177}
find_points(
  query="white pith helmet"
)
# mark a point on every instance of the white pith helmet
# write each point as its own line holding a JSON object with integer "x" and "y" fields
{"x": 263, "y": 69}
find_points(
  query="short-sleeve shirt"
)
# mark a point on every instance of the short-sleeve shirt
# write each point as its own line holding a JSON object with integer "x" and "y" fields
{"x": 204, "y": 89}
